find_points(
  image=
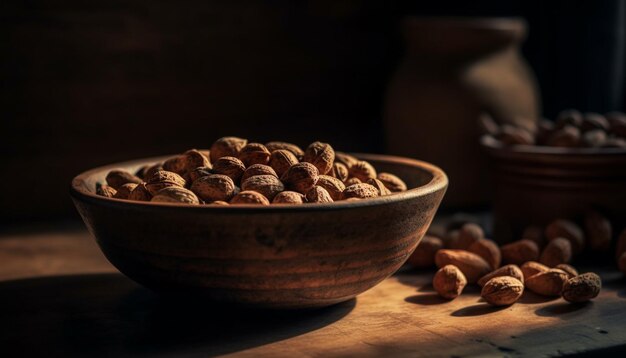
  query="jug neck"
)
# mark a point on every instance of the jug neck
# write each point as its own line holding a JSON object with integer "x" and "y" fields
{"x": 460, "y": 40}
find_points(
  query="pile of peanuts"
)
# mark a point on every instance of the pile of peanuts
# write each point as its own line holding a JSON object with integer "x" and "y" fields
{"x": 571, "y": 129}
{"x": 235, "y": 171}
{"x": 538, "y": 262}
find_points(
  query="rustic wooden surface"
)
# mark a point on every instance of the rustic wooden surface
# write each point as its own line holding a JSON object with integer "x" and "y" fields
{"x": 60, "y": 297}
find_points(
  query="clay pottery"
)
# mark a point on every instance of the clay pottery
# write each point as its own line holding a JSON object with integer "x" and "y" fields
{"x": 280, "y": 256}
{"x": 454, "y": 70}
{"x": 534, "y": 185}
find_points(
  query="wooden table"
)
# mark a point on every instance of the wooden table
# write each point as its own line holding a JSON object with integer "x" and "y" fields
{"x": 60, "y": 297}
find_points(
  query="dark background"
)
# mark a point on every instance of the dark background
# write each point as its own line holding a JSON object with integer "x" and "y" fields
{"x": 87, "y": 83}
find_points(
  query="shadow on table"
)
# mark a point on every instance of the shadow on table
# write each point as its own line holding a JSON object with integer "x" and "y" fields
{"x": 109, "y": 315}
{"x": 479, "y": 309}
{"x": 617, "y": 283}
{"x": 530, "y": 298}
{"x": 427, "y": 299}
{"x": 564, "y": 309}
{"x": 413, "y": 277}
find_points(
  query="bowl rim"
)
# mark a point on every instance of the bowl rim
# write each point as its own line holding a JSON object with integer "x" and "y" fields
{"x": 495, "y": 147}
{"x": 438, "y": 182}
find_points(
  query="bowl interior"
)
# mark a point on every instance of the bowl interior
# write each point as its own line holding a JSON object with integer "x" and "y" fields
{"x": 420, "y": 177}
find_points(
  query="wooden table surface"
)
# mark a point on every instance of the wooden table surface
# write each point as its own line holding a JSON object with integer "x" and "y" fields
{"x": 60, "y": 297}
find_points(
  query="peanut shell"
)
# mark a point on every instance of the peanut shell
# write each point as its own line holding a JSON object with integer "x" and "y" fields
{"x": 227, "y": 147}
{"x": 569, "y": 270}
{"x": 272, "y": 146}
{"x": 195, "y": 159}
{"x": 116, "y": 178}
{"x": 519, "y": 252}
{"x": 582, "y": 288}
{"x": 449, "y": 282}
{"x": 339, "y": 171}
{"x": 249, "y": 197}
{"x": 488, "y": 250}
{"x": 321, "y": 155}
{"x": 568, "y": 230}
{"x": 334, "y": 186}
{"x": 288, "y": 197}
{"x": 175, "y": 194}
{"x": 214, "y": 187}
{"x": 362, "y": 170}
{"x": 105, "y": 190}
{"x": 567, "y": 137}
{"x": 534, "y": 233}
{"x": 547, "y": 283}
{"x": 472, "y": 265}
{"x": 281, "y": 160}
{"x": 507, "y": 270}
{"x": 392, "y": 182}
{"x": 360, "y": 191}
{"x": 300, "y": 177}
{"x": 162, "y": 179}
{"x": 502, "y": 291}
{"x": 258, "y": 169}
{"x": 177, "y": 164}
{"x": 558, "y": 251}
{"x": 531, "y": 268}
{"x": 382, "y": 189}
{"x": 199, "y": 173}
{"x": 469, "y": 233}
{"x": 254, "y": 153}
{"x": 268, "y": 185}
{"x": 123, "y": 192}
{"x": 598, "y": 231}
{"x": 140, "y": 193}
{"x": 230, "y": 166}
{"x": 345, "y": 159}
{"x": 317, "y": 194}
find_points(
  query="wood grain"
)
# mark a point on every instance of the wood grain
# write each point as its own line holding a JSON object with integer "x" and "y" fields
{"x": 61, "y": 298}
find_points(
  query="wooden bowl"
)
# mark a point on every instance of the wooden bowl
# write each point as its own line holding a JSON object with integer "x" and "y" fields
{"x": 533, "y": 185}
{"x": 282, "y": 256}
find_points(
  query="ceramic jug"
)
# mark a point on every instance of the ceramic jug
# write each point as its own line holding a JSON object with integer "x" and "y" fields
{"x": 454, "y": 70}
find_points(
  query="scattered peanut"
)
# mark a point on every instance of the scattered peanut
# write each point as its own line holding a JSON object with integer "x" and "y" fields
{"x": 502, "y": 291}
{"x": 449, "y": 282}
